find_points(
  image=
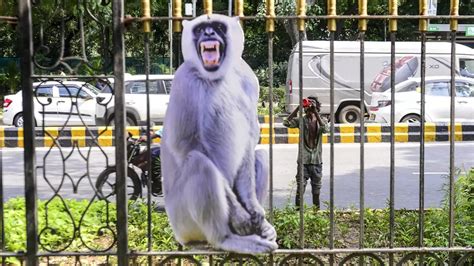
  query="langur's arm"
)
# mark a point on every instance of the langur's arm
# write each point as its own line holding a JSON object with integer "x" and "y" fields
{"x": 244, "y": 187}
{"x": 181, "y": 118}
{"x": 250, "y": 82}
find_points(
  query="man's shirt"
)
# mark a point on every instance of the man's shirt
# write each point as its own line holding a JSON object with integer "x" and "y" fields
{"x": 314, "y": 155}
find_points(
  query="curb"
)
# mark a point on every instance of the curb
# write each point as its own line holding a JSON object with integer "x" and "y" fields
{"x": 374, "y": 133}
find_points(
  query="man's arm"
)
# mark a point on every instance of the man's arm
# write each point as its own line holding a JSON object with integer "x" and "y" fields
{"x": 323, "y": 124}
{"x": 291, "y": 121}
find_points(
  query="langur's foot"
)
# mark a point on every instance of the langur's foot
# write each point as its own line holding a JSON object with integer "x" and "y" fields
{"x": 241, "y": 223}
{"x": 257, "y": 216}
{"x": 252, "y": 244}
{"x": 268, "y": 231}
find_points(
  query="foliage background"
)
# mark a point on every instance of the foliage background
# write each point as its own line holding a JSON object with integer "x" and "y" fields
{"x": 49, "y": 14}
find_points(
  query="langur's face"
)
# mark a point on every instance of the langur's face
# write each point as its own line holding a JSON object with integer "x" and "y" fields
{"x": 209, "y": 39}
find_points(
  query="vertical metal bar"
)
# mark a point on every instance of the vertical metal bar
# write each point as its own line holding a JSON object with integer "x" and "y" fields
{"x": 207, "y": 7}
{"x": 393, "y": 10}
{"x": 177, "y": 15}
{"x": 146, "y": 15}
{"x": 148, "y": 143}
{"x": 239, "y": 8}
{"x": 270, "y": 95}
{"x": 270, "y": 28}
{"x": 452, "y": 131}
{"x": 362, "y": 141}
{"x": 146, "y": 31}
{"x": 29, "y": 155}
{"x": 170, "y": 27}
{"x": 300, "y": 146}
{"x": 2, "y": 212}
{"x": 362, "y": 29}
{"x": 454, "y": 27}
{"x": 177, "y": 27}
{"x": 331, "y": 140}
{"x": 332, "y": 29}
{"x": 301, "y": 28}
{"x": 392, "y": 144}
{"x": 120, "y": 135}
{"x": 423, "y": 27}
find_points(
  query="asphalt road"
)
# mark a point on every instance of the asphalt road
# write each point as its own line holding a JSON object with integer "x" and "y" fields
{"x": 346, "y": 173}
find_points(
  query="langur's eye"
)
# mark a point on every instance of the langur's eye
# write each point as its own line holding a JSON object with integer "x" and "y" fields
{"x": 198, "y": 30}
{"x": 219, "y": 27}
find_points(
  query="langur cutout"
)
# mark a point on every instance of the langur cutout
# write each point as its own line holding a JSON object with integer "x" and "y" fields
{"x": 215, "y": 180}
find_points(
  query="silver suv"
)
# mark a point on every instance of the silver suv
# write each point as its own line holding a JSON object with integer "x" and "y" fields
{"x": 135, "y": 100}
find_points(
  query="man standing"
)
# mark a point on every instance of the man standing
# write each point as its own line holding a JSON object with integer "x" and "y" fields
{"x": 313, "y": 128}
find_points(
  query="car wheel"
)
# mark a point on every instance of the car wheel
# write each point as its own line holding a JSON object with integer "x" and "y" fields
{"x": 411, "y": 119}
{"x": 18, "y": 122}
{"x": 349, "y": 114}
{"x": 129, "y": 122}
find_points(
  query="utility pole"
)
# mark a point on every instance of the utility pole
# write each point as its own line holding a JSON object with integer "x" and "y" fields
{"x": 230, "y": 8}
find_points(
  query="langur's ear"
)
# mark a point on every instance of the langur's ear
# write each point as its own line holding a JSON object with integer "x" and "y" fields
{"x": 185, "y": 22}
{"x": 236, "y": 19}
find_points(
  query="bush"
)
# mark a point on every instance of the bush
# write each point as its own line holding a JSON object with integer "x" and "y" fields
{"x": 64, "y": 216}
{"x": 279, "y": 74}
{"x": 278, "y": 100}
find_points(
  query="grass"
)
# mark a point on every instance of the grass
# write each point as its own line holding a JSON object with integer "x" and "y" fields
{"x": 74, "y": 225}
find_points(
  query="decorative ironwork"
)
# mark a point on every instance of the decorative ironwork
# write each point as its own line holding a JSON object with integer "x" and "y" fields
{"x": 51, "y": 55}
{"x": 306, "y": 259}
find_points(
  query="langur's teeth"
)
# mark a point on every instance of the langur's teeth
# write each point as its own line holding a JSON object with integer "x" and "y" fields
{"x": 210, "y": 53}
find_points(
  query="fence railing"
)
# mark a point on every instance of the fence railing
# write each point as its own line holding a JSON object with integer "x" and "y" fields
{"x": 112, "y": 224}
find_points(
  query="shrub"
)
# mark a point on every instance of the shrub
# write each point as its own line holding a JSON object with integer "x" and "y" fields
{"x": 64, "y": 216}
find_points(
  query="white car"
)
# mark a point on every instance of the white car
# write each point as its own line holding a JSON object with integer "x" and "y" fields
{"x": 136, "y": 100}
{"x": 437, "y": 99}
{"x": 56, "y": 103}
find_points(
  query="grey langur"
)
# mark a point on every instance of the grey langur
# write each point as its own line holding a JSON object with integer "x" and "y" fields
{"x": 214, "y": 178}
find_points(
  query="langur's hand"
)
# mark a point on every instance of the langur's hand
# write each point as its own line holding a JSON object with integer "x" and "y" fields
{"x": 257, "y": 216}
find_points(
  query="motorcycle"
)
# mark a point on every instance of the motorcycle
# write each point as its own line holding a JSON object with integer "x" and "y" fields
{"x": 137, "y": 158}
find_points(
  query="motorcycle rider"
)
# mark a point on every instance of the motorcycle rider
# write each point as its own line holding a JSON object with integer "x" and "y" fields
{"x": 156, "y": 187}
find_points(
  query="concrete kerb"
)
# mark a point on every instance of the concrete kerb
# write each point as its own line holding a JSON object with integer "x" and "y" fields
{"x": 374, "y": 133}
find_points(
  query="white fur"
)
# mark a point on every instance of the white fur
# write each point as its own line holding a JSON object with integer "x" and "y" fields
{"x": 209, "y": 163}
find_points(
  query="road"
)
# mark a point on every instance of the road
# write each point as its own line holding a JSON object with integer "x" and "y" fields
{"x": 346, "y": 173}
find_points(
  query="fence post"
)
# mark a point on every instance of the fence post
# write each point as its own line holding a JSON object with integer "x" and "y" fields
{"x": 26, "y": 68}
{"x": 120, "y": 149}
{"x": 393, "y": 11}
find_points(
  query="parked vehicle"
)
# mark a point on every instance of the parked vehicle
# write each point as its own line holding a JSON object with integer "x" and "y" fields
{"x": 437, "y": 101}
{"x": 136, "y": 100}
{"x": 56, "y": 103}
{"x": 316, "y": 71}
{"x": 137, "y": 159}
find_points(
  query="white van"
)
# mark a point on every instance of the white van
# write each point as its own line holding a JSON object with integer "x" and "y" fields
{"x": 377, "y": 71}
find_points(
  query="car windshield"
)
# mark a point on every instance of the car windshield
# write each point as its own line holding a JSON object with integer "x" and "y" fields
{"x": 467, "y": 64}
{"x": 93, "y": 89}
{"x": 406, "y": 86}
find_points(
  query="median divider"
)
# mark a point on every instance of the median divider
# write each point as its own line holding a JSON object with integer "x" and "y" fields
{"x": 375, "y": 133}
{"x": 344, "y": 133}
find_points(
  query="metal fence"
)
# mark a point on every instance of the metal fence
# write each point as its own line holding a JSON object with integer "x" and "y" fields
{"x": 117, "y": 249}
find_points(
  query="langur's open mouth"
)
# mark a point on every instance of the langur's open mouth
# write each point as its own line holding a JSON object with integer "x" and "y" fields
{"x": 211, "y": 54}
